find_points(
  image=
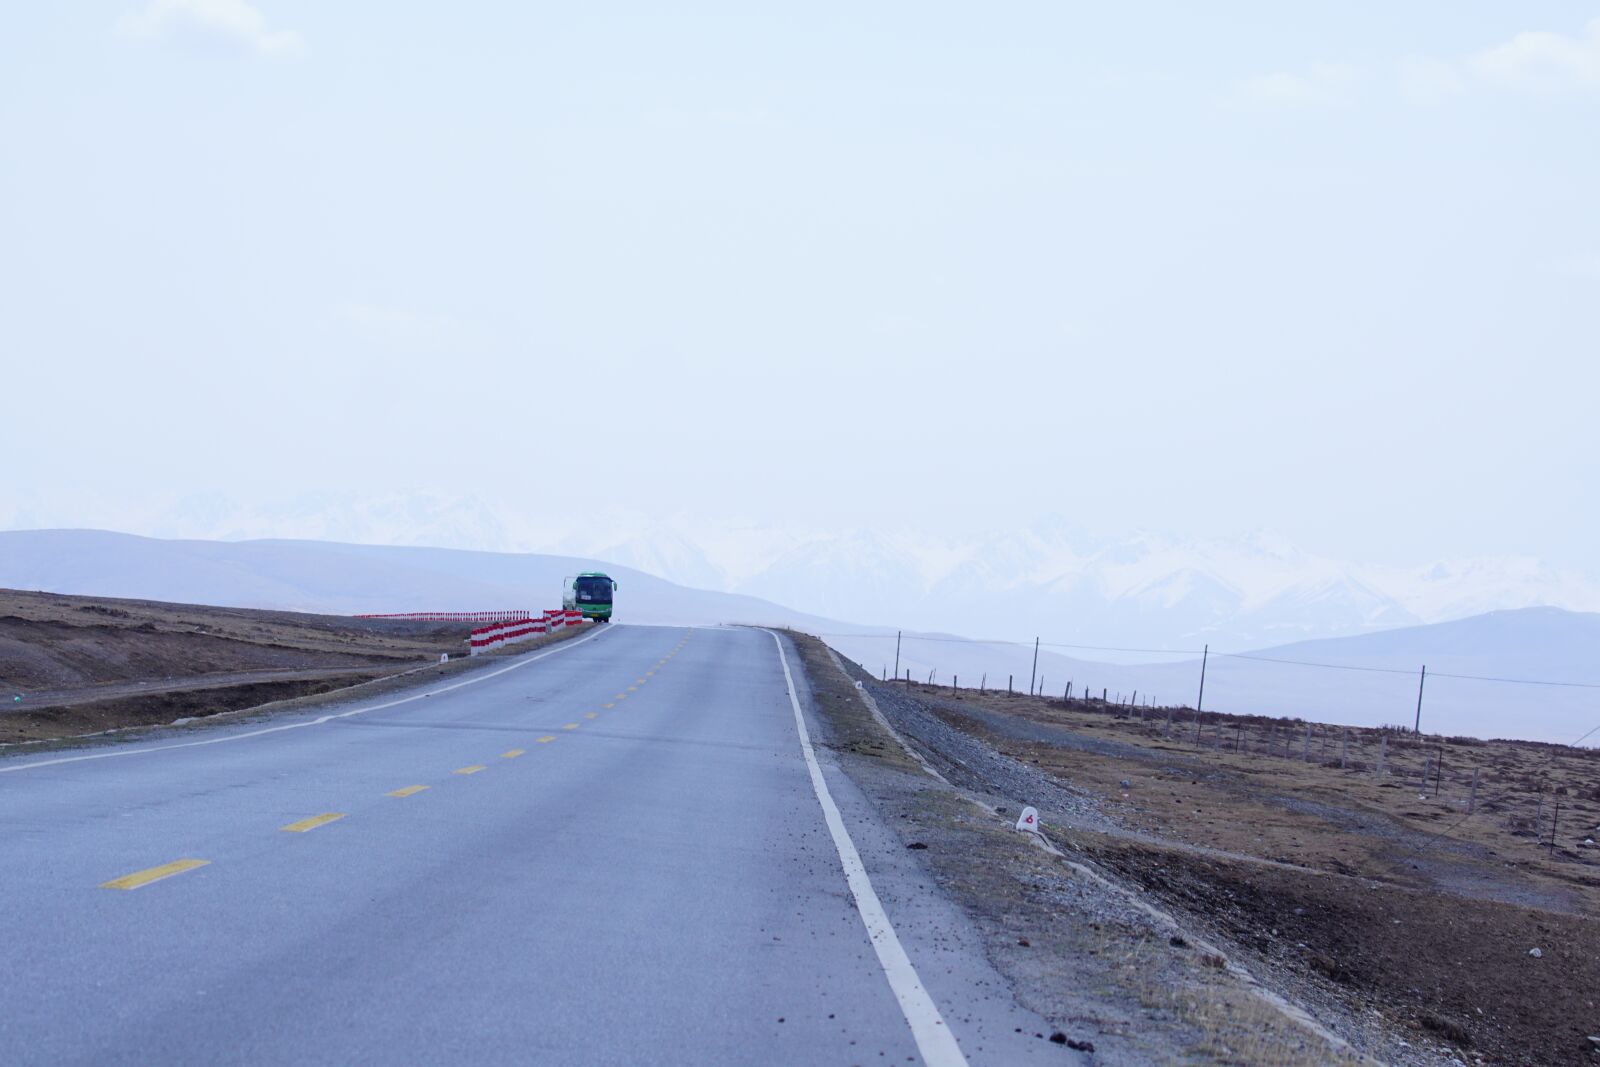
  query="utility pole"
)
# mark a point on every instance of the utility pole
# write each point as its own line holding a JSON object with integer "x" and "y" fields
{"x": 897, "y": 653}
{"x": 1422, "y": 681}
{"x": 1200, "y": 701}
{"x": 1035, "y": 677}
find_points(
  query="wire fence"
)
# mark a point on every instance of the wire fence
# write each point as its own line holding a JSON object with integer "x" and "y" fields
{"x": 974, "y": 652}
{"x": 1547, "y": 796}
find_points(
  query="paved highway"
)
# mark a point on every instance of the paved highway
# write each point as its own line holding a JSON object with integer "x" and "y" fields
{"x": 616, "y": 850}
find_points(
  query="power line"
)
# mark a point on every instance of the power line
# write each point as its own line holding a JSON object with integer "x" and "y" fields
{"x": 1023, "y": 644}
{"x": 1326, "y": 666}
{"x": 1363, "y": 668}
{"x": 1517, "y": 681}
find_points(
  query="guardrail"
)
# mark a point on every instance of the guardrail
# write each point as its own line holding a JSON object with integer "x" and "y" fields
{"x": 509, "y": 632}
{"x": 501, "y": 627}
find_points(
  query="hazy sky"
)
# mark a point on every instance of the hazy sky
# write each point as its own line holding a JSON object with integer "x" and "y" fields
{"x": 1329, "y": 269}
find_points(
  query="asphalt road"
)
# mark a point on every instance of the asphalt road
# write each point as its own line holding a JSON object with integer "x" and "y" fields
{"x": 611, "y": 851}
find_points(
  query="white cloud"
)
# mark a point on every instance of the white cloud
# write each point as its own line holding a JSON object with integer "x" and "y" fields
{"x": 234, "y": 22}
{"x": 1323, "y": 85}
{"x": 1542, "y": 61}
{"x": 1428, "y": 81}
{"x": 1533, "y": 62}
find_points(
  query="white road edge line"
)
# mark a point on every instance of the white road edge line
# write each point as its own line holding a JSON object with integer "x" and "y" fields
{"x": 934, "y": 1040}
{"x": 310, "y": 722}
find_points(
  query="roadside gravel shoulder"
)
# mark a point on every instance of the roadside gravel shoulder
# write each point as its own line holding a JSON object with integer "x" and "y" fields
{"x": 1104, "y": 968}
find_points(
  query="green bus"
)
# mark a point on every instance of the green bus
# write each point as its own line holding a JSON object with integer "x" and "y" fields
{"x": 590, "y": 593}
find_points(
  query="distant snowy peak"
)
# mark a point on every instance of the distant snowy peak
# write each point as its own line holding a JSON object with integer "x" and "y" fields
{"x": 668, "y": 555}
{"x": 1048, "y": 577}
{"x": 1189, "y": 586}
{"x": 420, "y": 519}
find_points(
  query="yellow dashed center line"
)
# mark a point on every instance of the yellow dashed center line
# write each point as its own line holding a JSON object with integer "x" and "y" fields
{"x": 633, "y": 689}
{"x": 546, "y": 739}
{"x": 591, "y": 715}
{"x": 153, "y": 874}
{"x": 620, "y": 696}
{"x": 512, "y": 753}
{"x": 313, "y": 822}
{"x": 406, "y": 791}
{"x": 474, "y": 769}
{"x": 570, "y": 726}
{"x": 608, "y": 707}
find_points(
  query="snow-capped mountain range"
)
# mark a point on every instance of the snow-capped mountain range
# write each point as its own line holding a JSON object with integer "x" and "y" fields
{"x": 1144, "y": 590}
{"x": 1470, "y": 661}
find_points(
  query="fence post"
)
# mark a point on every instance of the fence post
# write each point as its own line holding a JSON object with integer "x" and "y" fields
{"x": 1421, "y": 681}
{"x": 955, "y": 681}
{"x": 1238, "y": 734}
{"x": 1200, "y": 701}
{"x": 1035, "y": 674}
{"x": 897, "y": 653}
{"x": 1472, "y": 797}
{"x": 1427, "y": 770}
{"x": 1344, "y": 747}
{"x": 1008, "y": 685}
{"x": 1555, "y": 820}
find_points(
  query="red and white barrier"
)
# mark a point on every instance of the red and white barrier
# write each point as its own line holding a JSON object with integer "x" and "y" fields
{"x": 506, "y": 633}
{"x": 521, "y": 628}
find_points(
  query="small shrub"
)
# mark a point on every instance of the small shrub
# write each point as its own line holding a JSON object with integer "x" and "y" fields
{"x": 1448, "y": 1029}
